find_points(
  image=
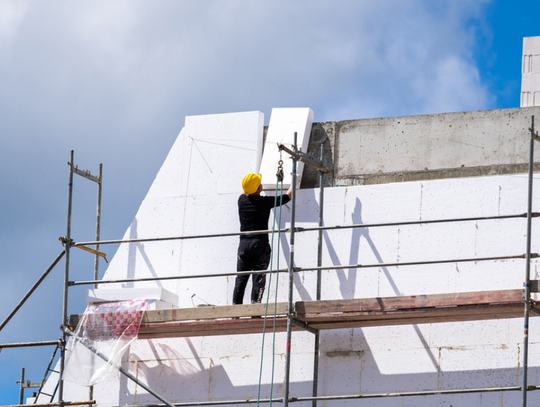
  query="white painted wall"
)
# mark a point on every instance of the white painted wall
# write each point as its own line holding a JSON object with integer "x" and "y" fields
{"x": 195, "y": 192}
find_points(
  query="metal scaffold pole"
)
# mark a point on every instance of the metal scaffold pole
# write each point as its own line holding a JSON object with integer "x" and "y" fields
{"x": 319, "y": 275}
{"x": 527, "y": 293}
{"x": 21, "y": 391}
{"x": 290, "y": 310}
{"x": 98, "y": 223}
{"x": 66, "y": 282}
{"x": 98, "y": 237}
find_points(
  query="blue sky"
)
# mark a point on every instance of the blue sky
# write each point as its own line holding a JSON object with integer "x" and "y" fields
{"x": 114, "y": 80}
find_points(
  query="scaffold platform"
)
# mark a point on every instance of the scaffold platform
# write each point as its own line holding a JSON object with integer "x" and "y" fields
{"x": 332, "y": 314}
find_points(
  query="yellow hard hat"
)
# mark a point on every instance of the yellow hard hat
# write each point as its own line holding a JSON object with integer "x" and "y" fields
{"x": 251, "y": 183}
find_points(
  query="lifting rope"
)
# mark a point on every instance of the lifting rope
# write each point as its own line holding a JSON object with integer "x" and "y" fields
{"x": 279, "y": 188}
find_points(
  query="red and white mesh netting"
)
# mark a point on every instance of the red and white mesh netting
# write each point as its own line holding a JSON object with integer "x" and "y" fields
{"x": 109, "y": 329}
{"x": 112, "y": 320}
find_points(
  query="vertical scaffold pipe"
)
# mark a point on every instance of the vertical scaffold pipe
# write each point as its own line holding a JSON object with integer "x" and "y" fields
{"x": 290, "y": 309}
{"x": 319, "y": 274}
{"x": 98, "y": 224}
{"x": 527, "y": 293}
{"x": 21, "y": 390}
{"x": 66, "y": 283}
{"x": 98, "y": 237}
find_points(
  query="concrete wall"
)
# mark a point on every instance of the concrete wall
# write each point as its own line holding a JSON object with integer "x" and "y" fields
{"x": 449, "y": 145}
{"x": 370, "y": 360}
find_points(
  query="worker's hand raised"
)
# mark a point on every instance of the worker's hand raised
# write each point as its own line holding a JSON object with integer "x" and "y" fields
{"x": 289, "y": 191}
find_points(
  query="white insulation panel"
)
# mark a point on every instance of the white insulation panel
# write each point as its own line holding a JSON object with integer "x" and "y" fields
{"x": 284, "y": 122}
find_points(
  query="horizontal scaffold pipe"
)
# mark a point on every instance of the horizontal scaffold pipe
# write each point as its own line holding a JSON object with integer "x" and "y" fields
{"x": 349, "y": 396}
{"x": 418, "y": 222}
{"x": 299, "y": 269}
{"x": 138, "y": 280}
{"x": 215, "y": 403}
{"x": 63, "y": 403}
{"x": 28, "y": 344}
{"x": 300, "y": 229}
{"x": 162, "y": 239}
{"x": 414, "y": 393}
{"x": 416, "y": 263}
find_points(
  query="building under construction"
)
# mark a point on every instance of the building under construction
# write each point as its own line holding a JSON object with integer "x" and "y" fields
{"x": 404, "y": 271}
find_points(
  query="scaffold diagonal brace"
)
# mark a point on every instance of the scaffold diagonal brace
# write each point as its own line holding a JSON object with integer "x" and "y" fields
{"x": 88, "y": 344}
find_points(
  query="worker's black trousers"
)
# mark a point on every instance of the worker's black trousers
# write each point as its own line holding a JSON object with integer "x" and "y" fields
{"x": 253, "y": 254}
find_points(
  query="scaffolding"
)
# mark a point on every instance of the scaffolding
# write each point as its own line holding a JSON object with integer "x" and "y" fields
{"x": 311, "y": 316}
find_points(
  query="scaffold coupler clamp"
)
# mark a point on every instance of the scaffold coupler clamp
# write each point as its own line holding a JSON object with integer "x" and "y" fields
{"x": 62, "y": 341}
{"x": 64, "y": 241}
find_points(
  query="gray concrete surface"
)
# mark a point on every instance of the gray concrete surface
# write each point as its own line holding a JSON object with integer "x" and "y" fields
{"x": 448, "y": 145}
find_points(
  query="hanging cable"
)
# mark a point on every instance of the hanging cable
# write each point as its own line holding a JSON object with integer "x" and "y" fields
{"x": 277, "y": 281}
{"x": 278, "y": 193}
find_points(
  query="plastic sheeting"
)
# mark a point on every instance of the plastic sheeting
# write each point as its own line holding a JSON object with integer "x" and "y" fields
{"x": 109, "y": 329}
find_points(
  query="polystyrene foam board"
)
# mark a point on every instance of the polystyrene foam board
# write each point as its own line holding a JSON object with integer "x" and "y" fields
{"x": 363, "y": 204}
{"x": 457, "y": 198}
{"x": 339, "y": 340}
{"x": 510, "y": 398}
{"x": 173, "y": 378}
{"x": 462, "y": 367}
{"x": 490, "y": 275}
{"x": 450, "y": 400}
{"x": 533, "y": 375}
{"x": 382, "y": 369}
{"x": 414, "y": 280}
{"x": 223, "y": 148}
{"x": 472, "y": 333}
{"x": 127, "y": 294}
{"x": 453, "y": 241}
{"x": 242, "y": 371}
{"x": 342, "y": 371}
{"x": 349, "y": 283}
{"x": 365, "y": 246}
{"x": 146, "y": 349}
{"x": 514, "y": 192}
{"x": 284, "y": 122}
{"x": 502, "y": 237}
{"x": 381, "y": 338}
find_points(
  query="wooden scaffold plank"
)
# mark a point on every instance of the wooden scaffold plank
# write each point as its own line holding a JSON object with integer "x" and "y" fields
{"x": 332, "y": 314}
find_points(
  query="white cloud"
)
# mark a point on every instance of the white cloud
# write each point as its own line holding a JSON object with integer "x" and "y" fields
{"x": 11, "y": 16}
{"x": 140, "y": 58}
{"x": 454, "y": 85}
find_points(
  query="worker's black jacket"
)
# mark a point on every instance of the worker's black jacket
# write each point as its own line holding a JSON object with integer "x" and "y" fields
{"x": 254, "y": 211}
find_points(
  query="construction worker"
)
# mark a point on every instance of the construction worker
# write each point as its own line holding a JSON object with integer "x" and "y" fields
{"x": 254, "y": 250}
